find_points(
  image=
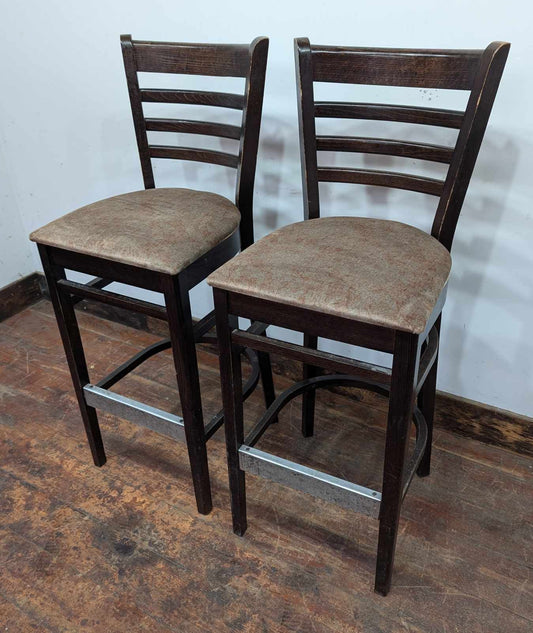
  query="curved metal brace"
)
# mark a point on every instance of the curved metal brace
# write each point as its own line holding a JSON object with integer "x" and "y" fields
{"x": 139, "y": 358}
{"x": 133, "y": 362}
{"x": 340, "y": 379}
{"x": 300, "y": 387}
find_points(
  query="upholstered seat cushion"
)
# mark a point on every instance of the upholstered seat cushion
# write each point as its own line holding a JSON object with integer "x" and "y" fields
{"x": 163, "y": 230}
{"x": 376, "y": 271}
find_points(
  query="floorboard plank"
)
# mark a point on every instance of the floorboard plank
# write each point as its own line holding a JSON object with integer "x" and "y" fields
{"x": 121, "y": 547}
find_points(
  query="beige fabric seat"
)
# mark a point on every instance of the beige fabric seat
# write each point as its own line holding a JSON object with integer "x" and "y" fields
{"x": 163, "y": 230}
{"x": 376, "y": 271}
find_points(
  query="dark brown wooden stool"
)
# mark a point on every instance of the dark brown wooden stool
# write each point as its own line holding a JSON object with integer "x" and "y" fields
{"x": 165, "y": 240}
{"x": 372, "y": 283}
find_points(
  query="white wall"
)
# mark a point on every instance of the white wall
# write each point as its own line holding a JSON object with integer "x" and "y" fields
{"x": 68, "y": 140}
{"x": 16, "y": 256}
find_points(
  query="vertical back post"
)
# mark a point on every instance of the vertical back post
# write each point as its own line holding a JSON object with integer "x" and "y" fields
{"x": 469, "y": 140}
{"x": 306, "y": 118}
{"x": 130, "y": 67}
{"x": 249, "y": 142}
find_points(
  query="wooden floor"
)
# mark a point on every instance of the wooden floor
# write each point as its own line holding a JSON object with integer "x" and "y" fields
{"x": 121, "y": 548}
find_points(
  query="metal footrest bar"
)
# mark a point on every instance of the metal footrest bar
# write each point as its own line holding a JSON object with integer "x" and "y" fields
{"x": 271, "y": 467}
{"x": 294, "y": 390}
{"x": 313, "y": 482}
{"x": 132, "y": 363}
{"x": 137, "y": 412}
{"x": 200, "y": 329}
{"x": 102, "y": 398}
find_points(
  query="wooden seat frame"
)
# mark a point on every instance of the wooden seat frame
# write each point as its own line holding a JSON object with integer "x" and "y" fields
{"x": 411, "y": 383}
{"x": 249, "y": 62}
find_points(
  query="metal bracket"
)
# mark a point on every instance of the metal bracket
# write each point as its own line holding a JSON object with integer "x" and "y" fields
{"x": 137, "y": 412}
{"x": 313, "y": 482}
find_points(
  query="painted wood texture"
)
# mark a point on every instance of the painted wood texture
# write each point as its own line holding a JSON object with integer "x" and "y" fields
{"x": 20, "y": 294}
{"x": 465, "y": 417}
{"x": 460, "y": 415}
{"x": 122, "y": 548}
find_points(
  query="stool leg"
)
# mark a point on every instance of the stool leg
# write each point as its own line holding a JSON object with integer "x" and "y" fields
{"x": 426, "y": 404}
{"x": 231, "y": 381}
{"x": 309, "y": 397}
{"x": 265, "y": 369}
{"x": 70, "y": 335}
{"x": 404, "y": 371}
{"x": 184, "y": 352}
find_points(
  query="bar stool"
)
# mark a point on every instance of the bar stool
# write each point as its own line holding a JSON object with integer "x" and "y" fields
{"x": 374, "y": 283}
{"x": 165, "y": 240}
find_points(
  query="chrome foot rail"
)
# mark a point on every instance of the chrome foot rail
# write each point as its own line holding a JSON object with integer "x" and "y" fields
{"x": 358, "y": 374}
{"x": 163, "y": 422}
{"x": 136, "y": 412}
{"x": 313, "y": 482}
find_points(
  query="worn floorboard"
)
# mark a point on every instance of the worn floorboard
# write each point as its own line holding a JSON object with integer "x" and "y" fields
{"x": 121, "y": 548}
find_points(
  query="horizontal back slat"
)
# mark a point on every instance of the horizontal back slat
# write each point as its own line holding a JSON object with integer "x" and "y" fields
{"x": 223, "y": 60}
{"x": 476, "y": 71}
{"x": 193, "y": 97}
{"x": 421, "y": 151}
{"x": 396, "y": 67}
{"x": 384, "y": 112}
{"x": 194, "y": 154}
{"x": 193, "y": 127}
{"x": 245, "y": 61}
{"x": 381, "y": 178}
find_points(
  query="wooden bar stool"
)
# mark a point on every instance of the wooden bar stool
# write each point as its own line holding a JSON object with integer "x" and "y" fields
{"x": 374, "y": 283}
{"x": 166, "y": 240}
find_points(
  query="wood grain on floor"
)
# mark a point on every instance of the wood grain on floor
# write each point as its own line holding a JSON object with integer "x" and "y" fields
{"x": 121, "y": 548}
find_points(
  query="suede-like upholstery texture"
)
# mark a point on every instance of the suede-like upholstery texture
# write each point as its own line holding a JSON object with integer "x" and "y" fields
{"x": 375, "y": 271}
{"x": 163, "y": 230}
